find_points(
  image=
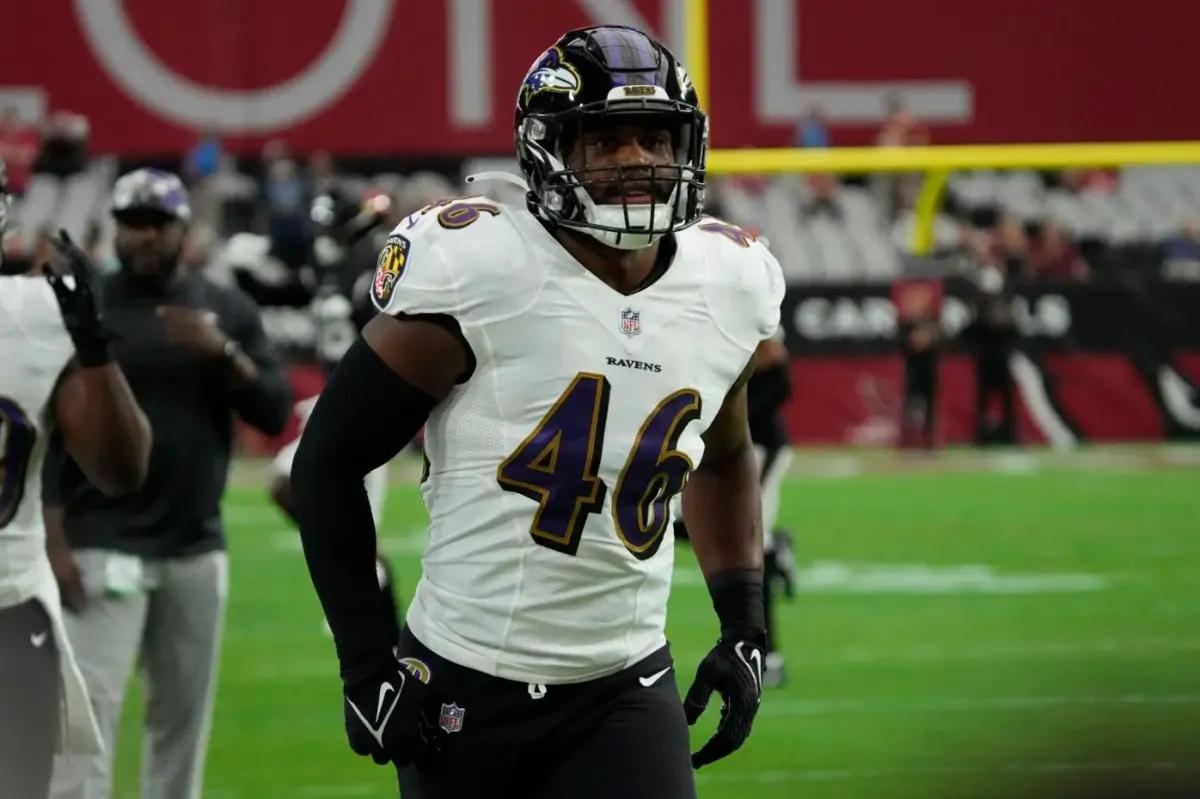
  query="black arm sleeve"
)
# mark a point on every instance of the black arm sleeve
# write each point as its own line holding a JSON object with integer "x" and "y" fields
{"x": 264, "y": 402}
{"x": 366, "y": 414}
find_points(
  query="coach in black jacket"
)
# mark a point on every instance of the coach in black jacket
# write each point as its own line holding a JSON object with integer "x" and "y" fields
{"x": 146, "y": 575}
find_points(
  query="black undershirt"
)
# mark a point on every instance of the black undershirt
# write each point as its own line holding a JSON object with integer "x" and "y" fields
{"x": 190, "y": 404}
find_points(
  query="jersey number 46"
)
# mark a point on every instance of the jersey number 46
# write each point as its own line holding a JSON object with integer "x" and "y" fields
{"x": 557, "y": 467}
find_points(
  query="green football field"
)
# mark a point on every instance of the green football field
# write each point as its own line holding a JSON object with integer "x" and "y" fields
{"x": 995, "y": 624}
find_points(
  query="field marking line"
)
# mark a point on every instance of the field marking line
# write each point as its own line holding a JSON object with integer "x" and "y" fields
{"x": 921, "y": 578}
{"x": 841, "y": 775}
{"x": 822, "y": 707}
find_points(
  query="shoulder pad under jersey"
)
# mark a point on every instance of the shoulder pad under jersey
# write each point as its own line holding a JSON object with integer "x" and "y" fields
{"x": 744, "y": 283}
{"x": 462, "y": 257}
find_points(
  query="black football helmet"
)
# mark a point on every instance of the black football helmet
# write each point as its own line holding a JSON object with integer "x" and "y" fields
{"x": 602, "y": 76}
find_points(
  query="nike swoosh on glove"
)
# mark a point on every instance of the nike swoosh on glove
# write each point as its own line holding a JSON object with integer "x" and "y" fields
{"x": 383, "y": 711}
{"x": 733, "y": 668}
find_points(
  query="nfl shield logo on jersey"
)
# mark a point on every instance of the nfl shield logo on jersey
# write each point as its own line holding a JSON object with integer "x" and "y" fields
{"x": 631, "y": 322}
{"x": 451, "y": 719}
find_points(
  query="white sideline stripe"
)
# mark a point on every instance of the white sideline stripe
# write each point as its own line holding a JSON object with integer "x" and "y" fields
{"x": 833, "y": 706}
{"x": 842, "y": 775}
{"x": 918, "y": 578}
{"x": 1014, "y": 463}
{"x": 1108, "y": 646}
{"x": 837, "y": 467}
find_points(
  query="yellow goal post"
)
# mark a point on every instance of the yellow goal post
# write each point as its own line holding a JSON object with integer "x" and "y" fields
{"x": 939, "y": 162}
{"x": 936, "y": 161}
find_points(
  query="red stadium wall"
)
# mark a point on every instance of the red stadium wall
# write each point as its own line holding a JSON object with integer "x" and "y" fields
{"x": 1026, "y": 70}
{"x": 856, "y": 399}
{"x": 1099, "y": 352}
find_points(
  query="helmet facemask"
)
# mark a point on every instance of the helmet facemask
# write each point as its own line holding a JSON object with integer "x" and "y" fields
{"x": 595, "y": 199}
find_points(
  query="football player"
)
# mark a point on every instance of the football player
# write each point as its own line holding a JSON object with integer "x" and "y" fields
{"x": 56, "y": 371}
{"x": 766, "y": 392}
{"x": 342, "y": 227}
{"x": 576, "y": 363}
{"x": 280, "y": 489}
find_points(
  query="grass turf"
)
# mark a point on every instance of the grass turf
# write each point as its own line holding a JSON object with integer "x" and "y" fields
{"x": 986, "y": 630}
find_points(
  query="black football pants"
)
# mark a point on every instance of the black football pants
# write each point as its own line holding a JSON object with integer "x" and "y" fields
{"x": 29, "y": 700}
{"x": 619, "y": 737}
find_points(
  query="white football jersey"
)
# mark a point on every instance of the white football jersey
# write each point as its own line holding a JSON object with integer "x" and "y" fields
{"x": 34, "y": 349}
{"x": 551, "y": 468}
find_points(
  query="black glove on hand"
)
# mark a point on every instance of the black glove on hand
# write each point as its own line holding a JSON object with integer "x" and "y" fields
{"x": 383, "y": 711}
{"x": 734, "y": 667}
{"x": 78, "y": 304}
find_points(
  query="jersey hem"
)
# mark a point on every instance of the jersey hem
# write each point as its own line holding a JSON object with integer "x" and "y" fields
{"x": 460, "y": 655}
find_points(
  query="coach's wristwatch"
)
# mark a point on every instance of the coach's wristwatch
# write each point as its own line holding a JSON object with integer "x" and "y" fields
{"x": 230, "y": 350}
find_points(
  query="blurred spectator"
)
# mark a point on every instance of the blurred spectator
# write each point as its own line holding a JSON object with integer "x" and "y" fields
{"x": 322, "y": 174}
{"x": 19, "y": 145}
{"x": 918, "y": 305}
{"x": 285, "y": 197}
{"x": 1055, "y": 257}
{"x": 199, "y": 245}
{"x": 200, "y": 168}
{"x": 1079, "y": 181}
{"x": 387, "y": 211}
{"x": 992, "y": 333}
{"x": 821, "y": 188}
{"x": 1011, "y": 245}
{"x": 64, "y": 145}
{"x": 235, "y": 197}
{"x": 274, "y": 150}
{"x": 1185, "y": 245}
{"x": 900, "y": 129}
{"x": 204, "y": 159}
{"x": 822, "y": 196}
{"x": 1181, "y": 253}
{"x": 811, "y": 130}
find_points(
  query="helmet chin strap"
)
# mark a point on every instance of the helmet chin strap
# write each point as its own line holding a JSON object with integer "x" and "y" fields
{"x": 498, "y": 177}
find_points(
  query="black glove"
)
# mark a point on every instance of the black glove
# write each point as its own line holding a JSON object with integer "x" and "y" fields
{"x": 77, "y": 301}
{"x": 734, "y": 667}
{"x": 384, "y": 717}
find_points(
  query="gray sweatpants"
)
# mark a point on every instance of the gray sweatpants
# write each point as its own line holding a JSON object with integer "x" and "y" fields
{"x": 172, "y": 628}
{"x": 29, "y": 700}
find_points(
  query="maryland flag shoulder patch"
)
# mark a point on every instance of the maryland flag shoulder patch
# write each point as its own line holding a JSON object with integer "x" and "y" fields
{"x": 389, "y": 269}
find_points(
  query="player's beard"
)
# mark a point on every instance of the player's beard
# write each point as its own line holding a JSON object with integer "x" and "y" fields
{"x": 607, "y": 189}
{"x": 149, "y": 267}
